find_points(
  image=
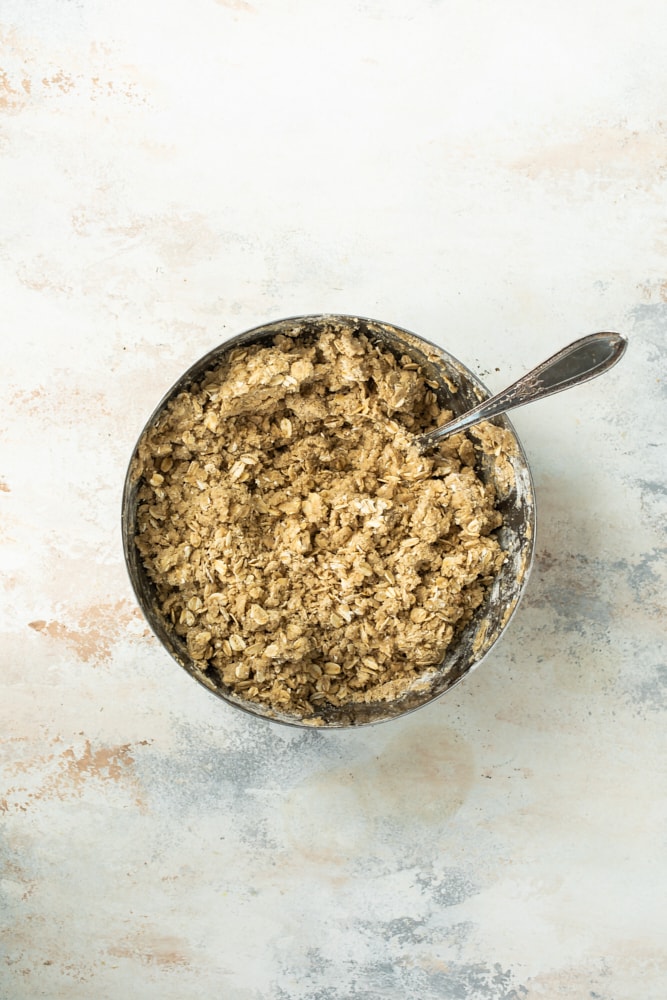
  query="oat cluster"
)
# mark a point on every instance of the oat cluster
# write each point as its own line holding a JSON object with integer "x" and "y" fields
{"x": 299, "y": 543}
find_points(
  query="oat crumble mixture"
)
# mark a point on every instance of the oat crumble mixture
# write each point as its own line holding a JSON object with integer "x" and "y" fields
{"x": 299, "y": 543}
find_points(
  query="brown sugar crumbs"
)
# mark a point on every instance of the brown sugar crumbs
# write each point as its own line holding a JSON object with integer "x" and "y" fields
{"x": 299, "y": 543}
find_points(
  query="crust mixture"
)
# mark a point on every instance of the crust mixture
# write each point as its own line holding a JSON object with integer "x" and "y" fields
{"x": 298, "y": 541}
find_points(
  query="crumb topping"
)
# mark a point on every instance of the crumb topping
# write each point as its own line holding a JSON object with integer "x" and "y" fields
{"x": 299, "y": 543}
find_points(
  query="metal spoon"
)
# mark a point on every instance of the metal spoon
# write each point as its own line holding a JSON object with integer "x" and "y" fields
{"x": 578, "y": 362}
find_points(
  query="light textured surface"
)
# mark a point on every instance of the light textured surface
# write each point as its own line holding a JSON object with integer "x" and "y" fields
{"x": 492, "y": 176}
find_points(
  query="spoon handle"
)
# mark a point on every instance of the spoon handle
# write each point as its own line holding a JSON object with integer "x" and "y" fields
{"x": 581, "y": 360}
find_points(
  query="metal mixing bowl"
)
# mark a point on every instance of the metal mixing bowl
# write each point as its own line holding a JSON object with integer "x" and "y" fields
{"x": 459, "y": 390}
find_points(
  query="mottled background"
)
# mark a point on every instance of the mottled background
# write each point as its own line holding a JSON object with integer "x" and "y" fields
{"x": 492, "y": 176}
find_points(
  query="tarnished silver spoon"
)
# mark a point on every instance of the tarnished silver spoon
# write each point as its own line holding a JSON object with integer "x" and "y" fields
{"x": 578, "y": 362}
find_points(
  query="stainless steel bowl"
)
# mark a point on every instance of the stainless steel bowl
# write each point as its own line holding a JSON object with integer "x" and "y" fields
{"x": 458, "y": 389}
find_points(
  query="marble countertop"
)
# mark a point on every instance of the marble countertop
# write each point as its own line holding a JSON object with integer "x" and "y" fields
{"x": 491, "y": 176}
